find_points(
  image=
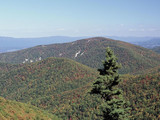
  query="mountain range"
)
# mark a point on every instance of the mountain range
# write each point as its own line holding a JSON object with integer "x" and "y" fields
{"x": 9, "y": 44}
{"x": 89, "y": 52}
{"x": 48, "y": 77}
{"x": 151, "y": 43}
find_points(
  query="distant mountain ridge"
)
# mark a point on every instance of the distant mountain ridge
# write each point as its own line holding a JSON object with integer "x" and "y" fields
{"x": 156, "y": 49}
{"x": 90, "y": 52}
{"x": 151, "y": 43}
{"x": 9, "y": 44}
{"x": 146, "y": 42}
{"x": 130, "y": 39}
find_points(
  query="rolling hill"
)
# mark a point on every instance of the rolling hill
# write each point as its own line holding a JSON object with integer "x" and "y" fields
{"x": 61, "y": 86}
{"x": 12, "y": 110}
{"x": 151, "y": 43}
{"x": 89, "y": 52}
{"x": 43, "y": 83}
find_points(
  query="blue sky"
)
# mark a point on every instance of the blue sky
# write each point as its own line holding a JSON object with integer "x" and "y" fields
{"x": 37, "y": 18}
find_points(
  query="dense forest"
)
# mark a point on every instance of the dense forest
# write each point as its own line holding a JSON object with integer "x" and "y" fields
{"x": 144, "y": 95}
{"x": 43, "y": 83}
{"x": 61, "y": 86}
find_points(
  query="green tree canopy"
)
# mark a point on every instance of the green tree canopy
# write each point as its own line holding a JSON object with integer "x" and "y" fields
{"x": 113, "y": 106}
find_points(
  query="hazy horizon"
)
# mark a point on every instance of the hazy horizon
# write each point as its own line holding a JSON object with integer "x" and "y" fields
{"x": 107, "y": 36}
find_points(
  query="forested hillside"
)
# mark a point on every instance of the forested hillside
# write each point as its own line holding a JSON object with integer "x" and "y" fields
{"x": 42, "y": 83}
{"x": 89, "y": 52}
{"x": 12, "y": 110}
{"x": 141, "y": 91}
{"x": 5, "y": 67}
{"x": 62, "y": 86}
{"x": 80, "y": 60}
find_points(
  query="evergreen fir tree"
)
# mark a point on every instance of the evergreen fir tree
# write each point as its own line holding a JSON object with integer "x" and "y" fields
{"x": 113, "y": 105}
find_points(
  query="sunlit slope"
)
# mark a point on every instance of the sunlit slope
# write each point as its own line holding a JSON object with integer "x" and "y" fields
{"x": 40, "y": 82}
{"x": 144, "y": 95}
{"x": 62, "y": 86}
{"x": 142, "y": 91}
{"x": 12, "y": 110}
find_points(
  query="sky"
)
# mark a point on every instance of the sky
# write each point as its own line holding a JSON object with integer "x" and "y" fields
{"x": 41, "y": 18}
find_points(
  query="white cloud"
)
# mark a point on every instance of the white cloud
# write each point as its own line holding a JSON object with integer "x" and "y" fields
{"x": 60, "y": 29}
{"x": 153, "y": 29}
{"x": 132, "y": 30}
{"x": 143, "y": 30}
{"x": 122, "y": 25}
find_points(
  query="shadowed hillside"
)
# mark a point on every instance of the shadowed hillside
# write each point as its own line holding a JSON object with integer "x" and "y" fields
{"x": 5, "y": 67}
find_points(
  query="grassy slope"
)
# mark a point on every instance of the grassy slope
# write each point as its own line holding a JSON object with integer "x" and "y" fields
{"x": 11, "y": 110}
{"x": 90, "y": 52}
